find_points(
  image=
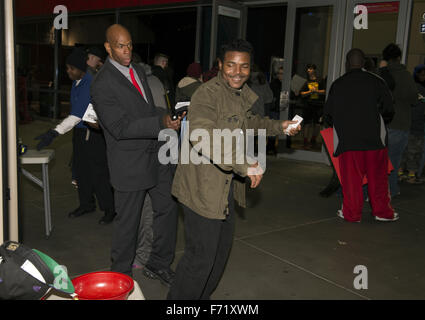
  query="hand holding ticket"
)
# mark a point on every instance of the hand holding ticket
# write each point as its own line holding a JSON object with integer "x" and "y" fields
{"x": 298, "y": 119}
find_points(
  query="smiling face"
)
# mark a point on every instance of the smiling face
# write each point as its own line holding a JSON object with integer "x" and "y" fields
{"x": 235, "y": 68}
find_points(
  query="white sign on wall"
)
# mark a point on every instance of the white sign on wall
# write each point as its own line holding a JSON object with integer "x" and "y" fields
{"x": 229, "y": 12}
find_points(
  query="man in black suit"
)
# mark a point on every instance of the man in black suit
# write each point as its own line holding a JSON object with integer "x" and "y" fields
{"x": 131, "y": 123}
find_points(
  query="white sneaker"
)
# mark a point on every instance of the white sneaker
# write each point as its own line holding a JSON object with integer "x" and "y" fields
{"x": 341, "y": 215}
{"x": 385, "y": 219}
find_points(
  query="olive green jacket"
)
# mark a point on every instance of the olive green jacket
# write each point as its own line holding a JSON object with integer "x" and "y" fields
{"x": 204, "y": 187}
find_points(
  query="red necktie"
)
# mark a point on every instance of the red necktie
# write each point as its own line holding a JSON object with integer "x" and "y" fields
{"x": 133, "y": 80}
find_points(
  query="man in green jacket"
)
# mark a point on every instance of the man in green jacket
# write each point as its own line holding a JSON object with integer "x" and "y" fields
{"x": 206, "y": 188}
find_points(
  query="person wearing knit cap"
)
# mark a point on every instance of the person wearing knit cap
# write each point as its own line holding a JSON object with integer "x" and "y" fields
{"x": 89, "y": 150}
{"x": 188, "y": 85}
{"x": 194, "y": 70}
{"x": 77, "y": 59}
{"x": 95, "y": 57}
{"x": 208, "y": 75}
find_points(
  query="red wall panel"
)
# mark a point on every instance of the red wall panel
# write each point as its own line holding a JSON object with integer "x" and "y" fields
{"x": 28, "y": 8}
{"x": 382, "y": 7}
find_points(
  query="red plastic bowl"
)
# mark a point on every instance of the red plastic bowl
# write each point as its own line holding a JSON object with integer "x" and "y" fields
{"x": 103, "y": 285}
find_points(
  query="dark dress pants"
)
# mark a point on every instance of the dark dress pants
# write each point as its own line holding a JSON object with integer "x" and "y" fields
{"x": 91, "y": 169}
{"x": 128, "y": 206}
{"x": 207, "y": 249}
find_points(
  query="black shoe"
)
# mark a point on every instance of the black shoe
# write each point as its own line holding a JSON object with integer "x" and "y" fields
{"x": 328, "y": 191}
{"x": 166, "y": 276}
{"x": 331, "y": 188}
{"x": 325, "y": 193}
{"x": 107, "y": 218}
{"x": 79, "y": 212}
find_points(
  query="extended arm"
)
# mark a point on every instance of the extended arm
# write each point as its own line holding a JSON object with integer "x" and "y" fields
{"x": 66, "y": 125}
{"x": 114, "y": 118}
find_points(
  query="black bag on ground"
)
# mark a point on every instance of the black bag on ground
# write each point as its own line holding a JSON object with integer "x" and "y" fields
{"x": 15, "y": 282}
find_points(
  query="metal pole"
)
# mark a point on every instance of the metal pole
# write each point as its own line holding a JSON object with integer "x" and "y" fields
{"x": 198, "y": 34}
{"x": 213, "y": 44}
{"x": 406, "y": 18}
{"x": 58, "y": 43}
{"x": 3, "y": 207}
{"x": 46, "y": 194}
{"x": 117, "y": 15}
{"x": 11, "y": 121}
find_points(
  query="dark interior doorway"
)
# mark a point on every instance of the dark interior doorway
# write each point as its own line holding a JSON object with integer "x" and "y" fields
{"x": 266, "y": 32}
{"x": 170, "y": 32}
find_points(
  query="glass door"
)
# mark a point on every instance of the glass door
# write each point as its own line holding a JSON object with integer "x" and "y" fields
{"x": 372, "y": 25}
{"x": 228, "y": 22}
{"x": 312, "y": 59}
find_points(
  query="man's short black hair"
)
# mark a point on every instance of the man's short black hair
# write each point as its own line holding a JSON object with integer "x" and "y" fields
{"x": 355, "y": 59}
{"x": 238, "y": 45}
{"x": 310, "y": 66}
{"x": 391, "y": 52}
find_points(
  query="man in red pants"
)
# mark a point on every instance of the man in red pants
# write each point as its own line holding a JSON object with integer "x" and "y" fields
{"x": 358, "y": 106}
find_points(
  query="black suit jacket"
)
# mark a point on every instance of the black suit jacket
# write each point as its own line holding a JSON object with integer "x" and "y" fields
{"x": 131, "y": 127}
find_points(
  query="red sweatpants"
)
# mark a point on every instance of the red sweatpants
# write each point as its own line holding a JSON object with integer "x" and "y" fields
{"x": 373, "y": 164}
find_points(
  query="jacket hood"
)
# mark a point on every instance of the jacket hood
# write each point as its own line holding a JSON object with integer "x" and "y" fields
{"x": 146, "y": 67}
{"x": 186, "y": 81}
